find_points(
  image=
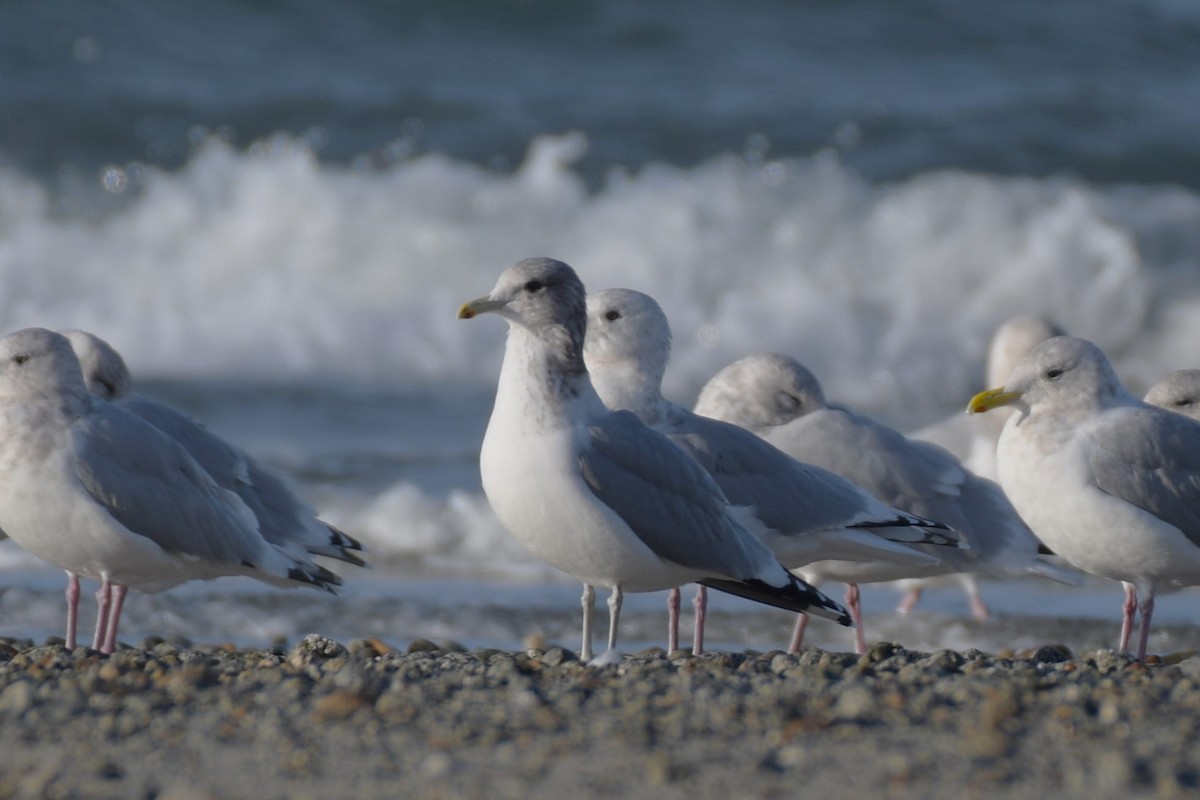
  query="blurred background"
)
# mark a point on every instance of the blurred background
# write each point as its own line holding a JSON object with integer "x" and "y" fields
{"x": 273, "y": 210}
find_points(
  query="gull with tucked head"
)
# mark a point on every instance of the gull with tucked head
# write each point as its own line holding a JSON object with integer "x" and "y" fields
{"x": 1109, "y": 482}
{"x": 597, "y": 493}
{"x": 808, "y": 513}
{"x": 1178, "y": 392}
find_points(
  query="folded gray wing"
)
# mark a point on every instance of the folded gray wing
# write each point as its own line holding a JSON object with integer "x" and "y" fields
{"x": 666, "y": 498}
{"x": 787, "y": 495}
{"x": 282, "y": 517}
{"x": 916, "y": 477}
{"x": 150, "y": 484}
{"x": 1150, "y": 458}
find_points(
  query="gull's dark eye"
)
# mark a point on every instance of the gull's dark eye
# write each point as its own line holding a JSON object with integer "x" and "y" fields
{"x": 533, "y": 287}
{"x": 1053, "y": 373}
{"x": 1183, "y": 403}
{"x": 612, "y": 315}
{"x": 20, "y": 359}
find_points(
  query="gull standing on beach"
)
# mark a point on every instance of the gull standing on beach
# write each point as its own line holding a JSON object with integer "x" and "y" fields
{"x": 283, "y": 518}
{"x": 972, "y": 438}
{"x": 102, "y": 494}
{"x": 781, "y": 401}
{"x": 1109, "y": 482}
{"x": 596, "y": 493}
{"x": 1178, "y": 392}
{"x": 809, "y": 513}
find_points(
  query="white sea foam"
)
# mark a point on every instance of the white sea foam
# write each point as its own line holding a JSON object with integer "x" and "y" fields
{"x": 282, "y": 267}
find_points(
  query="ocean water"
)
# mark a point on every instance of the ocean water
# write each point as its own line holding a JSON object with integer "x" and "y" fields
{"x": 274, "y": 210}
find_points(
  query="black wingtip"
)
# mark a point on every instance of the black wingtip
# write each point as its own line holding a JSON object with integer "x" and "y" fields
{"x": 796, "y": 596}
{"x": 314, "y": 575}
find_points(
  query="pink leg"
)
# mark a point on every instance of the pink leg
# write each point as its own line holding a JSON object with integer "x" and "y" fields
{"x": 798, "y": 633}
{"x": 114, "y": 617}
{"x": 103, "y": 600}
{"x": 1144, "y": 633}
{"x": 700, "y": 603}
{"x": 1128, "y": 609}
{"x": 673, "y": 620}
{"x": 852, "y": 598}
{"x": 979, "y": 609}
{"x": 72, "y": 608}
{"x": 909, "y": 601}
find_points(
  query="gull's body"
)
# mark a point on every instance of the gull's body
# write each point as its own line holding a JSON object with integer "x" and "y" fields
{"x": 283, "y": 518}
{"x": 1110, "y": 483}
{"x": 781, "y": 401}
{"x": 597, "y": 493}
{"x": 807, "y": 513}
{"x": 972, "y": 438}
{"x": 102, "y": 494}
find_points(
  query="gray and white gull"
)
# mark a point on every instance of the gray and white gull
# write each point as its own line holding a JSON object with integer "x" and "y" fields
{"x": 808, "y": 513}
{"x": 781, "y": 401}
{"x": 102, "y": 494}
{"x": 1178, "y": 392}
{"x": 1109, "y": 482}
{"x": 597, "y": 493}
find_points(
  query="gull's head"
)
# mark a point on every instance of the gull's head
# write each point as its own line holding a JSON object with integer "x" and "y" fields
{"x": 1061, "y": 374}
{"x": 104, "y": 370}
{"x": 535, "y": 293}
{"x": 38, "y": 364}
{"x": 761, "y": 391}
{"x": 1012, "y": 341}
{"x": 627, "y": 330}
{"x": 1178, "y": 392}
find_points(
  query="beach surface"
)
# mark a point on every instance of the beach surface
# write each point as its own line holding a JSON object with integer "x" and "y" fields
{"x": 167, "y": 719}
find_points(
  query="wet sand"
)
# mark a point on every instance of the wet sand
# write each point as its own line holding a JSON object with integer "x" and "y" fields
{"x": 319, "y": 719}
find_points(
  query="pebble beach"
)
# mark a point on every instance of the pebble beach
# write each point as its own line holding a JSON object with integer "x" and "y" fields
{"x": 167, "y": 719}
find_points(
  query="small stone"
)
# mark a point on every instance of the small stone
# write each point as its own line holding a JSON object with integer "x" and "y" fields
{"x": 314, "y": 648}
{"x": 17, "y": 698}
{"x": 423, "y": 646}
{"x": 337, "y": 705}
{"x": 1051, "y": 654}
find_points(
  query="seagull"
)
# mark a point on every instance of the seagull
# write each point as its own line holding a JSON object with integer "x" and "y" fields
{"x": 777, "y": 398}
{"x": 1109, "y": 482}
{"x": 1178, "y": 392}
{"x": 972, "y": 438}
{"x": 597, "y": 493}
{"x": 809, "y": 513}
{"x": 283, "y": 518}
{"x": 102, "y": 494}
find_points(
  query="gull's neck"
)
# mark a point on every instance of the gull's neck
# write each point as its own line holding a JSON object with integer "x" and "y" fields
{"x": 543, "y": 382}
{"x": 624, "y": 386}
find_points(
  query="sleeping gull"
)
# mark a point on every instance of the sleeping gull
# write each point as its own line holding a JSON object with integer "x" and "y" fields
{"x": 1178, "y": 392}
{"x": 780, "y": 400}
{"x": 283, "y": 518}
{"x": 809, "y": 513}
{"x": 972, "y": 438}
{"x": 1109, "y": 482}
{"x": 101, "y": 494}
{"x": 596, "y": 493}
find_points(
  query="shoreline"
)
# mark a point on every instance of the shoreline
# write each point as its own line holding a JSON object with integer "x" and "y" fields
{"x": 320, "y": 719}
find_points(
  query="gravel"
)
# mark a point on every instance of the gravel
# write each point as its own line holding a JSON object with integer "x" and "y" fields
{"x": 171, "y": 720}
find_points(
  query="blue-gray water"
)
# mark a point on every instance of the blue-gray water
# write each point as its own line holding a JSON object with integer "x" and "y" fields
{"x": 274, "y": 209}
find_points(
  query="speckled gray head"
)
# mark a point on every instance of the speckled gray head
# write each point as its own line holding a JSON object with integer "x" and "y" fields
{"x": 1013, "y": 340}
{"x": 104, "y": 370}
{"x": 760, "y": 391}
{"x": 627, "y": 347}
{"x": 1178, "y": 392}
{"x": 37, "y": 363}
{"x": 545, "y": 298}
{"x": 1065, "y": 374}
